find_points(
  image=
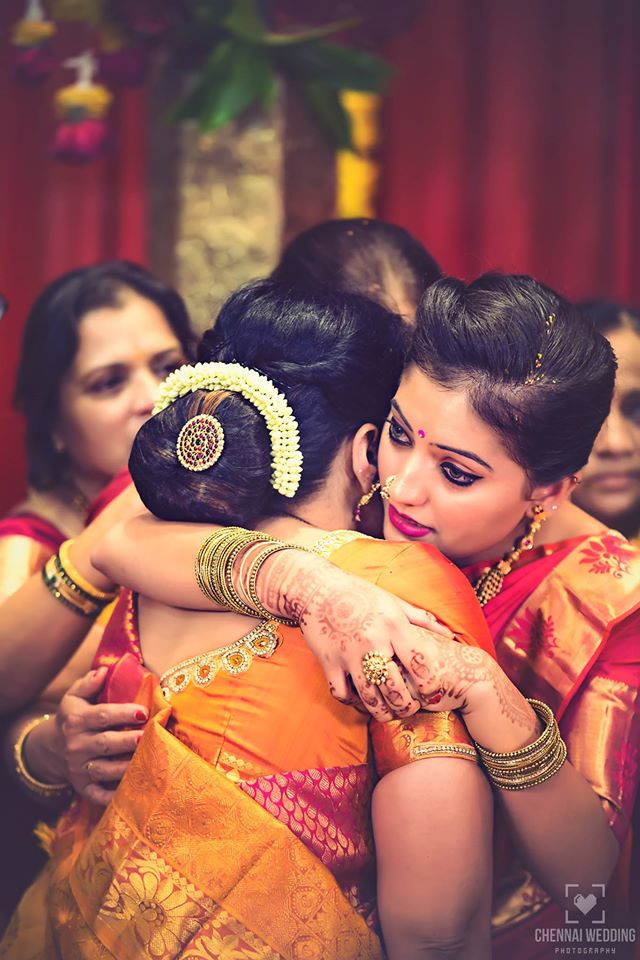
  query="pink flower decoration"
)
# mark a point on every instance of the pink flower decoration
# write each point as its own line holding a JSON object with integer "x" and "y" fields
{"x": 33, "y": 64}
{"x": 80, "y": 141}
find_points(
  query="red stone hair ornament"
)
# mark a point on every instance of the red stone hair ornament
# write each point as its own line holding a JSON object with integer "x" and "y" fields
{"x": 200, "y": 442}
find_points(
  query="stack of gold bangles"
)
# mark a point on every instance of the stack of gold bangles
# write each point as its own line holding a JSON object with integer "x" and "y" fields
{"x": 217, "y": 578}
{"x": 531, "y": 765}
{"x": 67, "y": 585}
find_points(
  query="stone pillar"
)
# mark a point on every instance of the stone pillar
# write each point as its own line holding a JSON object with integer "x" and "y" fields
{"x": 216, "y": 205}
{"x": 221, "y": 204}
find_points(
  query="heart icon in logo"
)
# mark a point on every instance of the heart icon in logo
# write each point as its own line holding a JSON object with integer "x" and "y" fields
{"x": 585, "y": 904}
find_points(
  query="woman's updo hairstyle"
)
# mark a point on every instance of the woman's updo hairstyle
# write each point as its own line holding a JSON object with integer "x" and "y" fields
{"x": 375, "y": 259}
{"x": 336, "y": 358}
{"x": 536, "y": 373}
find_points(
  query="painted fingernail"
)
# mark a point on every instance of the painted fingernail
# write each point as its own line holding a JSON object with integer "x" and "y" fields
{"x": 141, "y": 716}
{"x": 436, "y": 698}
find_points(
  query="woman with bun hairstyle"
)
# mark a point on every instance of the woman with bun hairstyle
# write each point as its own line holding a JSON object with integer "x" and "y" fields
{"x": 252, "y": 785}
{"x": 378, "y": 260}
{"x": 502, "y": 398}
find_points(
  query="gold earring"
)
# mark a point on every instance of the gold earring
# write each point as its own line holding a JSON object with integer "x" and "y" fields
{"x": 385, "y": 491}
{"x": 364, "y": 500}
{"x": 490, "y": 583}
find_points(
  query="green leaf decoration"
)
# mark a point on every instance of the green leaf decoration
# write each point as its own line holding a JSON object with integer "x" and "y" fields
{"x": 335, "y": 67}
{"x": 245, "y": 20}
{"x": 315, "y": 33}
{"x": 236, "y": 76}
{"x": 328, "y": 112}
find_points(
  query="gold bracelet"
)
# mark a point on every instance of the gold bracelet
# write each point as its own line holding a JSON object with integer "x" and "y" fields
{"x": 58, "y": 587}
{"x": 252, "y": 581}
{"x": 531, "y": 764}
{"x": 215, "y": 564}
{"x": 83, "y": 584}
{"x": 43, "y": 789}
{"x": 218, "y": 552}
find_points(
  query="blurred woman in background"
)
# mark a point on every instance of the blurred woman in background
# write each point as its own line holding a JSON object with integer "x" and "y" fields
{"x": 378, "y": 260}
{"x": 97, "y": 343}
{"x": 610, "y": 486}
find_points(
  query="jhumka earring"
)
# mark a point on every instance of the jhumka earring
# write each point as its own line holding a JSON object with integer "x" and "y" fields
{"x": 490, "y": 583}
{"x": 370, "y": 494}
{"x": 364, "y": 500}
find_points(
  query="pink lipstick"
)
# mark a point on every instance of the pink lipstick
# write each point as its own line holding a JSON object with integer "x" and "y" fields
{"x": 407, "y": 526}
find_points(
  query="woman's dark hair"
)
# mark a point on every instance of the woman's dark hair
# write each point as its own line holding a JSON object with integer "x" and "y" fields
{"x": 370, "y": 257}
{"x": 50, "y": 342}
{"x": 337, "y": 359}
{"x": 536, "y": 373}
{"x": 607, "y": 316}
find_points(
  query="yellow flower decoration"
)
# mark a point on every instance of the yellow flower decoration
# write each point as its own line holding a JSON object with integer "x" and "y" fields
{"x": 272, "y": 405}
{"x": 94, "y": 99}
{"x": 30, "y": 33}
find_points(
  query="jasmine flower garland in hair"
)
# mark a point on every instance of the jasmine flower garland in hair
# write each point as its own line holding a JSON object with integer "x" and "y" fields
{"x": 286, "y": 463}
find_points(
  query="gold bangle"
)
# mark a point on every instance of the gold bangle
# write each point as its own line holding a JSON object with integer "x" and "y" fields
{"x": 59, "y": 588}
{"x": 83, "y": 584}
{"x": 532, "y": 764}
{"x": 43, "y": 789}
{"x": 215, "y": 564}
{"x": 252, "y": 579}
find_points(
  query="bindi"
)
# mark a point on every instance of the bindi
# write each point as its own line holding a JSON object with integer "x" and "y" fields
{"x": 421, "y": 434}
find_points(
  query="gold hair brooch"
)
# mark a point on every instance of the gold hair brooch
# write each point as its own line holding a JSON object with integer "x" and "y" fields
{"x": 200, "y": 442}
{"x": 536, "y": 374}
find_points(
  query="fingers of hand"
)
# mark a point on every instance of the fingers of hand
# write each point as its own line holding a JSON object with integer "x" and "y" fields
{"x": 106, "y": 771}
{"x": 108, "y": 716}
{"x": 339, "y": 686}
{"x": 81, "y": 718}
{"x": 109, "y": 743}
{"x": 372, "y": 699}
{"x": 424, "y": 618}
{"x": 97, "y": 794}
{"x": 398, "y": 696}
{"x": 88, "y": 685}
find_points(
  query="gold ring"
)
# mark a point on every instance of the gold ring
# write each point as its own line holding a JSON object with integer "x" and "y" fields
{"x": 374, "y": 667}
{"x": 89, "y": 764}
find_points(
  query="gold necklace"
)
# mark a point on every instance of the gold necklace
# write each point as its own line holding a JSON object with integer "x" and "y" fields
{"x": 491, "y": 580}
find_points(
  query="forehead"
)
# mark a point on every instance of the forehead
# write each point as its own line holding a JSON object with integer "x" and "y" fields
{"x": 626, "y": 346}
{"x": 134, "y": 326}
{"x": 446, "y": 416}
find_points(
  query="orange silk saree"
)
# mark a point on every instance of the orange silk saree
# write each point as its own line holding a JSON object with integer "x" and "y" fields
{"x": 241, "y": 828}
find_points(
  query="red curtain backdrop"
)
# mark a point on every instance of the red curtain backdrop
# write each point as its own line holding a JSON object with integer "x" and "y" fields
{"x": 55, "y": 216}
{"x": 512, "y": 140}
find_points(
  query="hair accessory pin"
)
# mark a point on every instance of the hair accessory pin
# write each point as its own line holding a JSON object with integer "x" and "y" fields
{"x": 536, "y": 374}
{"x": 200, "y": 442}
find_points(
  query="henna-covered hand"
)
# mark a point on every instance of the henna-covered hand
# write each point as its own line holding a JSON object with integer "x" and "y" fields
{"x": 447, "y": 675}
{"x": 342, "y": 618}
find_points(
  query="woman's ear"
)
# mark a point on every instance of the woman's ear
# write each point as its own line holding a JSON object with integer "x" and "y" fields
{"x": 364, "y": 453}
{"x": 552, "y": 495}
